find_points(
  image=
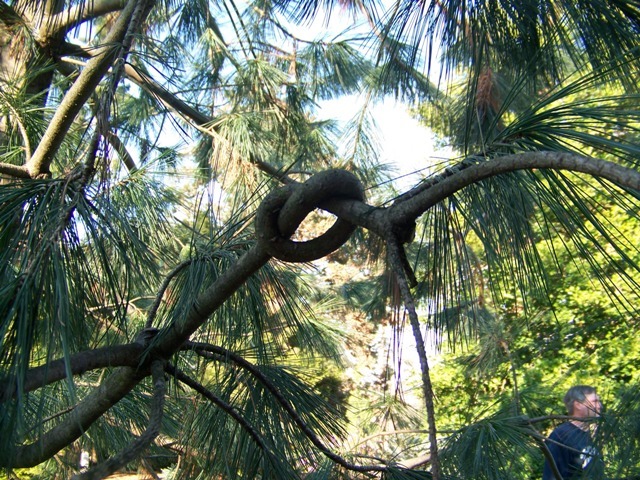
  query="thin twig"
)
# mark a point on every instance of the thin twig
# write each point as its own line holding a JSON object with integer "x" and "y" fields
{"x": 23, "y": 131}
{"x": 540, "y": 440}
{"x": 224, "y": 406}
{"x": 153, "y": 310}
{"x": 103, "y": 124}
{"x": 220, "y": 352}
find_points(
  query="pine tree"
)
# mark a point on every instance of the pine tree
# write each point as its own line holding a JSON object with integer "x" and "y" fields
{"x": 131, "y": 328}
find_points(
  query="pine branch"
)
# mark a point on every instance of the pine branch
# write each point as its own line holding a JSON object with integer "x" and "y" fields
{"x": 171, "y": 338}
{"x": 153, "y": 310}
{"x": 202, "y": 122}
{"x": 118, "y": 384}
{"x": 121, "y": 148}
{"x": 127, "y": 355}
{"x": 407, "y": 208}
{"x": 103, "y": 113}
{"x": 224, "y": 406}
{"x": 167, "y": 98}
{"x": 91, "y": 408}
{"x": 17, "y": 171}
{"x": 439, "y": 187}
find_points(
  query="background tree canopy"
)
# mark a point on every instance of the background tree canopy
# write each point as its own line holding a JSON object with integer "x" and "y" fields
{"x": 163, "y": 305}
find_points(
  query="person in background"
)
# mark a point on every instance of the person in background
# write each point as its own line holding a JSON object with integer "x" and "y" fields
{"x": 571, "y": 443}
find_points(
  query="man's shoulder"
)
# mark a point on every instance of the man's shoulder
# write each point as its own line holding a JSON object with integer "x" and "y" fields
{"x": 565, "y": 430}
{"x": 566, "y": 427}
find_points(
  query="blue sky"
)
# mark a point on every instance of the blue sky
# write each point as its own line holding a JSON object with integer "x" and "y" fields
{"x": 405, "y": 143}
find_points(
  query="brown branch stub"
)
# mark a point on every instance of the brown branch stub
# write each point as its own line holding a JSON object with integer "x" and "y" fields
{"x": 127, "y": 355}
{"x": 283, "y": 210}
{"x": 17, "y": 171}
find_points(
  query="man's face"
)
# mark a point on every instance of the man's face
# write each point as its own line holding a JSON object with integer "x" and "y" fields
{"x": 589, "y": 407}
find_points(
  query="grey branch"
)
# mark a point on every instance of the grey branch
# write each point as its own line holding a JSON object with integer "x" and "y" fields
{"x": 419, "y": 200}
{"x": 395, "y": 259}
{"x": 92, "y": 407}
{"x": 114, "y": 356}
{"x": 441, "y": 187}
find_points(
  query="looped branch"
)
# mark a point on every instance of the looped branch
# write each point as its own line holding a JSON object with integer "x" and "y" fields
{"x": 282, "y": 211}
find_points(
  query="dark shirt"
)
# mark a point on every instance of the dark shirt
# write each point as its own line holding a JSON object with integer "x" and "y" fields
{"x": 574, "y": 453}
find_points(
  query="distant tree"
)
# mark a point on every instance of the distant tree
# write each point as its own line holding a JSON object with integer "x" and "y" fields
{"x": 129, "y": 326}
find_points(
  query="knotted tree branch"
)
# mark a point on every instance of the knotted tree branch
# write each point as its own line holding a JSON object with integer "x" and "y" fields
{"x": 348, "y": 207}
{"x": 165, "y": 343}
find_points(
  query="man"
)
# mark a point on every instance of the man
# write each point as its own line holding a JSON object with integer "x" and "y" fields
{"x": 570, "y": 444}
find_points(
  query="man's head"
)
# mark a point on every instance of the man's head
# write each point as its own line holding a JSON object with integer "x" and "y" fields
{"x": 582, "y": 401}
